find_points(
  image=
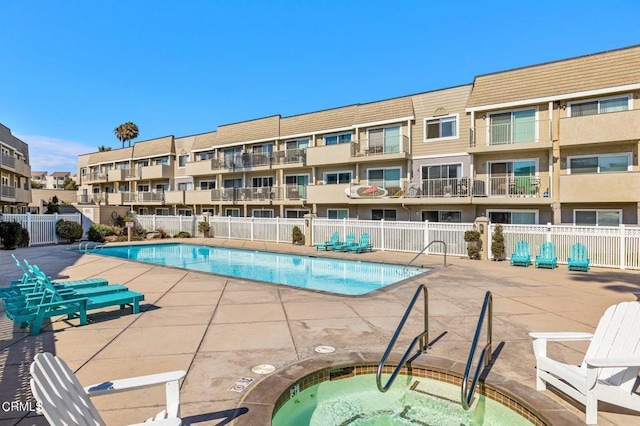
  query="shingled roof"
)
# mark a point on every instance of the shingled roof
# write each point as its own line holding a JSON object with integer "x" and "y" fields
{"x": 597, "y": 71}
{"x": 252, "y": 130}
{"x": 153, "y": 147}
{"x": 109, "y": 156}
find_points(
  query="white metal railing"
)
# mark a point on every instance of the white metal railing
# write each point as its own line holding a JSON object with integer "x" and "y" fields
{"x": 262, "y": 193}
{"x": 41, "y": 227}
{"x": 607, "y": 246}
{"x": 142, "y": 196}
{"x": 511, "y": 133}
{"x": 8, "y": 191}
{"x": 381, "y": 146}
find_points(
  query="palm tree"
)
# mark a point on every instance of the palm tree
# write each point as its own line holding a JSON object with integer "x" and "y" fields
{"x": 103, "y": 148}
{"x": 125, "y": 132}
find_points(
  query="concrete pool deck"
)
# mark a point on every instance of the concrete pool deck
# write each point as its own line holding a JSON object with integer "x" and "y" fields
{"x": 217, "y": 328}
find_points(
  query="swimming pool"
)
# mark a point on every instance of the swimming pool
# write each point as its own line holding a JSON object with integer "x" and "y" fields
{"x": 316, "y": 273}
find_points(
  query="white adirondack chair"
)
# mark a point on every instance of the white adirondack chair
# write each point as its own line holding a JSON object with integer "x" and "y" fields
{"x": 65, "y": 402}
{"x": 610, "y": 368}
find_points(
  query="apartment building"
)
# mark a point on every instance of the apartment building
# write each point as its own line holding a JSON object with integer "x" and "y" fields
{"x": 15, "y": 173}
{"x": 555, "y": 142}
{"x": 54, "y": 180}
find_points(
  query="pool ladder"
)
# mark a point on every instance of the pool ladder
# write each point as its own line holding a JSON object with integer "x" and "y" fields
{"x": 422, "y": 339}
{"x": 425, "y": 249}
{"x": 466, "y": 396}
{"x": 85, "y": 244}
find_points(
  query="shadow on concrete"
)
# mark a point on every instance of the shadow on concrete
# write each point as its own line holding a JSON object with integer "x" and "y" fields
{"x": 226, "y": 417}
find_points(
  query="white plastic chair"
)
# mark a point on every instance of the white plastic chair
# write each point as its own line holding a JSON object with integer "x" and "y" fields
{"x": 65, "y": 402}
{"x": 609, "y": 371}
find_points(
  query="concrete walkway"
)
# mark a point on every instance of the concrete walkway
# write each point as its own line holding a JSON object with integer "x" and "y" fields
{"x": 217, "y": 328}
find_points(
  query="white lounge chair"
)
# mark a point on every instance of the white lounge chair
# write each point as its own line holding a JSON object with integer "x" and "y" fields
{"x": 65, "y": 402}
{"x": 610, "y": 367}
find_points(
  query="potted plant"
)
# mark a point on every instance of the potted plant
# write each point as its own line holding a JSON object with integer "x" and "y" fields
{"x": 474, "y": 246}
{"x": 204, "y": 228}
{"x": 297, "y": 237}
{"x": 497, "y": 243}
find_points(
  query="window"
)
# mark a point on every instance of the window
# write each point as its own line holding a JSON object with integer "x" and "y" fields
{"x": 162, "y": 161}
{"x": 385, "y": 141}
{"x": 512, "y": 127}
{"x": 336, "y": 139}
{"x": 442, "y": 171}
{"x": 441, "y": 128}
{"x": 296, "y": 186}
{"x": 386, "y": 214}
{"x": 185, "y": 186}
{"x": 142, "y": 163}
{"x": 296, "y": 144}
{"x": 162, "y": 187}
{"x": 599, "y": 106}
{"x": 209, "y": 210}
{"x": 600, "y": 163}
{"x": 207, "y": 184}
{"x": 336, "y": 177}
{"x": 123, "y": 165}
{"x": 388, "y": 179}
{"x": 597, "y": 217}
{"x": 233, "y": 156}
{"x": 162, "y": 211}
{"x": 143, "y": 188}
{"x": 123, "y": 188}
{"x": 182, "y": 160}
{"x": 295, "y": 214}
{"x": 261, "y": 213}
{"x": 232, "y": 212}
{"x": 205, "y": 155}
{"x": 185, "y": 212}
{"x": 262, "y": 182}
{"x": 521, "y": 217}
{"x": 442, "y": 216}
{"x": 513, "y": 178}
{"x": 143, "y": 211}
{"x": 337, "y": 213}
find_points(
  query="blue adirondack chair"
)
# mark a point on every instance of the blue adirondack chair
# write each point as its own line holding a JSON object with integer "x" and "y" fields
{"x": 51, "y": 303}
{"x": 349, "y": 241}
{"x": 578, "y": 259}
{"x": 362, "y": 246}
{"x": 521, "y": 255}
{"x": 547, "y": 257}
{"x": 335, "y": 240}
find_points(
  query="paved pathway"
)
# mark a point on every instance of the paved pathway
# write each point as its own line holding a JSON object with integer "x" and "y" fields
{"x": 217, "y": 328}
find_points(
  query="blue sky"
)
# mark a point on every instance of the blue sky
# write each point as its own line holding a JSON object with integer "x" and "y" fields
{"x": 74, "y": 70}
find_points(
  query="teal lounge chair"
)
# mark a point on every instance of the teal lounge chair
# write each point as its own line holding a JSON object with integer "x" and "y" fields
{"x": 547, "y": 257}
{"x": 349, "y": 241}
{"x": 521, "y": 255}
{"x": 362, "y": 246}
{"x": 578, "y": 259}
{"x": 335, "y": 240}
{"x": 51, "y": 304}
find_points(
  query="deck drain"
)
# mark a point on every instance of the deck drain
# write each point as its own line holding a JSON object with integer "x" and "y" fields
{"x": 263, "y": 369}
{"x": 325, "y": 349}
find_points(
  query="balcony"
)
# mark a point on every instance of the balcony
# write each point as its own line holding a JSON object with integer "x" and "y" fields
{"x": 600, "y": 187}
{"x": 390, "y": 147}
{"x": 508, "y": 137}
{"x": 8, "y": 192}
{"x": 260, "y": 194}
{"x": 198, "y": 197}
{"x": 117, "y": 175}
{"x": 174, "y": 197}
{"x": 143, "y": 197}
{"x": 8, "y": 161}
{"x": 328, "y": 194}
{"x": 89, "y": 199}
{"x": 94, "y": 177}
{"x": 331, "y": 154}
{"x": 200, "y": 168}
{"x": 290, "y": 157}
{"x": 611, "y": 127}
{"x": 159, "y": 171}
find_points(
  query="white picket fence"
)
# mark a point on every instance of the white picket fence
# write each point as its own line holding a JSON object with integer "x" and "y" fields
{"x": 277, "y": 230}
{"x": 607, "y": 246}
{"x": 170, "y": 224}
{"x": 41, "y": 227}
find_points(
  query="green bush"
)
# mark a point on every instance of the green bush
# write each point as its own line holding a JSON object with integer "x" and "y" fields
{"x": 98, "y": 231}
{"x": 118, "y": 221}
{"x": 497, "y": 243}
{"x": 297, "y": 237}
{"x": 23, "y": 241}
{"x": 474, "y": 246}
{"x": 10, "y": 233}
{"x": 182, "y": 234}
{"x": 69, "y": 231}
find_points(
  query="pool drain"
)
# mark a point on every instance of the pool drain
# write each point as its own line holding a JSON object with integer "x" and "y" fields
{"x": 324, "y": 349}
{"x": 263, "y": 369}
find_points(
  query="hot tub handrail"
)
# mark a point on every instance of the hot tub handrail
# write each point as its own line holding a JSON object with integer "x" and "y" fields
{"x": 423, "y": 338}
{"x": 467, "y": 394}
{"x": 425, "y": 249}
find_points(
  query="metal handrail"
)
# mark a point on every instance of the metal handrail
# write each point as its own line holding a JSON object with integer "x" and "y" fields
{"x": 424, "y": 249}
{"x": 86, "y": 245}
{"x": 467, "y": 395}
{"x": 423, "y": 338}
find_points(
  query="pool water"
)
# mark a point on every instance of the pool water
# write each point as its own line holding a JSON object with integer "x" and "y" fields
{"x": 411, "y": 401}
{"x": 317, "y": 273}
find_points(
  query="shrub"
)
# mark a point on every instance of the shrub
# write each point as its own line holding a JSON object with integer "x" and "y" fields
{"x": 182, "y": 234}
{"x": 94, "y": 235}
{"x": 297, "y": 237}
{"x": 497, "y": 243}
{"x": 474, "y": 247}
{"x": 98, "y": 232}
{"x": 118, "y": 221}
{"x": 10, "y": 233}
{"x": 69, "y": 231}
{"x": 204, "y": 228}
{"x": 162, "y": 232}
{"x": 23, "y": 241}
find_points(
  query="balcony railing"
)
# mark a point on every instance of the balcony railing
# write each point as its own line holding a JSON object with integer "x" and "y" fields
{"x": 388, "y": 145}
{"x": 514, "y": 186}
{"x": 9, "y": 161}
{"x": 89, "y": 198}
{"x": 8, "y": 191}
{"x": 142, "y": 197}
{"x": 511, "y": 133}
{"x": 257, "y": 194}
